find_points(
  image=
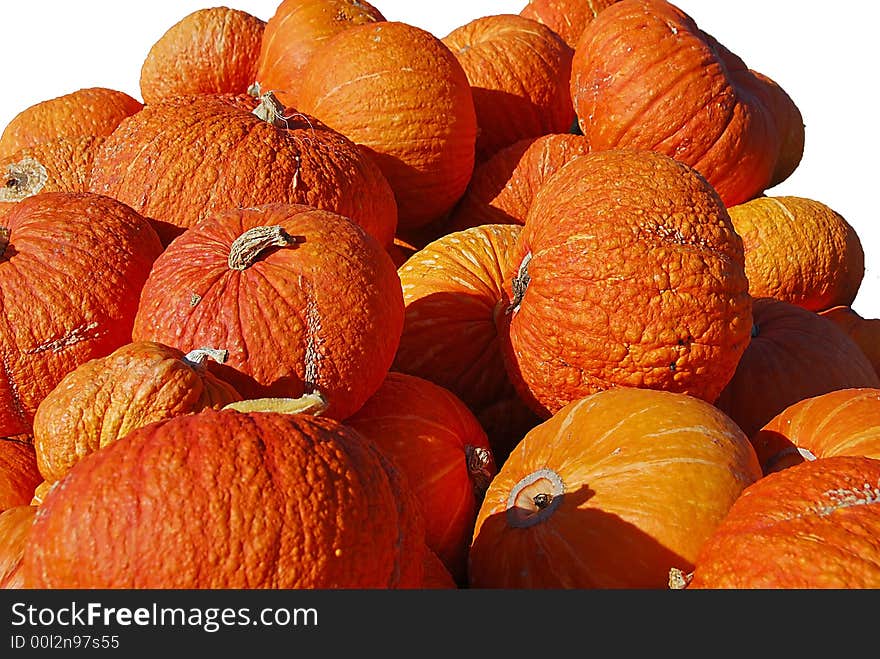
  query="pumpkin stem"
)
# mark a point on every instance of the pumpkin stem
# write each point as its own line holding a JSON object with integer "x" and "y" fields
{"x": 534, "y": 498}
{"x": 312, "y": 403}
{"x": 4, "y": 240}
{"x": 678, "y": 580}
{"x": 519, "y": 284}
{"x": 247, "y": 248}
{"x": 196, "y": 358}
{"x": 478, "y": 460}
{"x": 269, "y": 109}
{"x": 24, "y": 178}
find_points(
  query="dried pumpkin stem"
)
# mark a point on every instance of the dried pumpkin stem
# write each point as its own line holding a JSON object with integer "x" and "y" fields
{"x": 519, "y": 284}
{"x": 4, "y": 240}
{"x": 478, "y": 460}
{"x": 196, "y": 358}
{"x": 534, "y": 498}
{"x": 249, "y": 246}
{"x": 679, "y": 579}
{"x": 24, "y": 178}
{"x": 269, "y": 109}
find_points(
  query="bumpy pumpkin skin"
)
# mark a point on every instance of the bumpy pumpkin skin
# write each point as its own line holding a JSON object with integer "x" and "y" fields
{"x": 793, "y": 354}
{"x": 864, "y": 331}
{"x": 59, "y": 165}
{"x": 15, "y": 526}
{"x": 399, "y": 91}
{"x": 321, "y": 310}
{"x": 443, "y": 452}
{"x": 19, "y": 473}
{"x": 295, "y": 31}
{"x": 519, "y": 72}
{"x": 645, "y": 76}
{"x": 842, "y": 422}
{"x": 71, "y": 275}
{"x": 629, "y": 481}
{"x": 799, "y": 250}
{"x": 108, "y": 397}
{"x": 222, "y": 499}
{"x": 502, "y": 189}
{"x": 813, "y": 525}
{"x": 92, "y": 111}
{"x": 567, "y": 18}
{"x": 631, "y": 274}
{"x": 235, "y": 159}
{"x": 209, "y": 51}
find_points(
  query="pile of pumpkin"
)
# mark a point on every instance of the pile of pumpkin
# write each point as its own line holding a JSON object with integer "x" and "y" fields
{"x": 344, "y": 304}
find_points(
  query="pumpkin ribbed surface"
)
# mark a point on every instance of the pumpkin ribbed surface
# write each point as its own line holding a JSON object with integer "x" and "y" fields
{"x": 15, "y": 526}
{"x": 19, "y": 473}
{"x": 864, "y": 331}
{"x": 567, "y": 18}
{"x": 302, "y": 299}
{"x": 71, "y": 270}
{"x": 227, "y": 500}
{"x": 610, "y": 492}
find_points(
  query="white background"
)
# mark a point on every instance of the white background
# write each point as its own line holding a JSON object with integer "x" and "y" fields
{"x": 824, "y": 55}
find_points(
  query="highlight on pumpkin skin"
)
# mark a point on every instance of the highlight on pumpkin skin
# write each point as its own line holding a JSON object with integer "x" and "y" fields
{"x": 15, "y": 526}
{"x": 567, "y": 18}
{"x": 19, "y": 472}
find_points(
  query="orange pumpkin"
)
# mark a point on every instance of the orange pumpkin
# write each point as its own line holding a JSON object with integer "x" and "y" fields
{"x": 437, "y": 576}
{"x": 567, "y": 18}
{"x": 629, "y": 273}
{"x": 71, "y": 270}
{"x": 19, "y": 473}
{"x": 524, "y": 93}
{"x": 813, "y": 525}
{"x": 223, "y": 499}
{"x": 443, "y": 452}
{"x": 15, "y": 526}
{"x": 295, "y": 31}
{"x": 399, "y": 91}
{"x": 59, "y": 165}
{"x": 502, "y": 189}
{"x": 88, "y": 112}
{"x": 645, "y": 76}
{"x": 864, "y": 331}
{"x": 182, "y": 159}
{"x": 212, "y": 50}
{"x": 842, "y": 422}
{"x": 793, "y": 354}
{"x": 602, "y": 481}
{"x": 105, "y": 398}
{"x": 302, "y": 299}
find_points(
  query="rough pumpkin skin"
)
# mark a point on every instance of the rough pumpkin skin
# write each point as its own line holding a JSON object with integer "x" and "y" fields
{"x": 813, "y": 525}
{"x": 59, "y": 165}
{"x": 295, "y": 31}
{"x": 19, "y": 473}
{"x": 645, "y": 76}
{"x": 104, "y": 399}
{"x": 222, "y": 499}
{"x": 799, "y": 250}
{"x": 182, "y": 159}
{"x": 399, "y": 91}
{"x": 519, "y": 72}
{"x": 610, "y": 492}
{"x": 630, "y": 273}
{"x": 71, "y": 270}
{"x": 213, "y": 50}
{"x": 567, "y": 18}
{"x": 319, "y": 308}
{"x": 92, "y": 111}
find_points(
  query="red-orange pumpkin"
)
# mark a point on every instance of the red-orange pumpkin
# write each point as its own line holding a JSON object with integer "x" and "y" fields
{"x": 302, "y": 299}
{"x": 864, "y": 331}
{"x": 443, "y": 452}
{"x": 644, "y": 75}
{"x": 15, "y": 527}
{"x": 19, "y": 473}
{"x": 223, "y": 499}
{"x": 611, "y": 492}
{"x": 567, "y": 18}
{"x": 813, "y": 525}
{"x": 59, "y": 165}
{"x": 71, "y": 270}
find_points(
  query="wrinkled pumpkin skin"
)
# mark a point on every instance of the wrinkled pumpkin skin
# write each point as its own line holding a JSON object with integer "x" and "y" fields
{"x": 19, "y": 473}
{"x": 567, "y": 18}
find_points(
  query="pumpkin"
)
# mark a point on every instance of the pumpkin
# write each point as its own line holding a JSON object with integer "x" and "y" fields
{"x": 610, "y": 492}
{"x": 519, "y": 72}
{"x": 59, "y": 165}
{"x": 224, "y": 499}
{"x": 295, "y": 31}
{"x": 105, "y": 398}
{"x": 71, "y": 270}
{"x": 567, "y": 18}
{"x": 813, "y": 525}
{"x": 864, "y": 331}
{"x": 799, "y": 250}
{"x": 793, "y": 354}
{"x": 443, "y": 452}
{"x": 629, "y": 272}
{"x": 15, "y": 526}
{"x": 181, "y": 159}
{"x": 302, "y": 300}
{"x": 399, "y": 91}
{"x": 645, "y": 76}
{"x": 841, "y": 422}
{"x": 502, "y": 189}
{"x": 19, "y": 473}
{"x": 436, "y": 574}
{"x": 87, "y": 112}
{"x": 212, "y": 50}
